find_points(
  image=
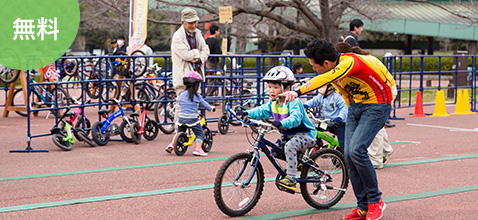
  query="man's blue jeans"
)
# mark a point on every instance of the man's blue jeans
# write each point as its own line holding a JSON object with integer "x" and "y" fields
{"x": 363, "y": 123}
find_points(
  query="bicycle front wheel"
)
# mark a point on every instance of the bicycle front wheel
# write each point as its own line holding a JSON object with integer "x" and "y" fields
{"x": 232, "y": 196}
{"x": 333, "y": 179}
{"x": 8, "y": 75}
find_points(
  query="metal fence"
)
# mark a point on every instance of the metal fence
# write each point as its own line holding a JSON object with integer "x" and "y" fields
{"x": 237, "y": 78}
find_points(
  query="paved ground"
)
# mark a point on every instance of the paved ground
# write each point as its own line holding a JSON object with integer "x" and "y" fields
{"x": 431, "y": 175}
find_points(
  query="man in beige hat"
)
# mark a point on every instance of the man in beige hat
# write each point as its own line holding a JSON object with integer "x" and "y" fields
{"x": 189, "y": 51}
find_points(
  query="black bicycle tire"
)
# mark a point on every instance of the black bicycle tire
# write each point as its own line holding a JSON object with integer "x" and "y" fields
{"x": 88, "y": 89}
{"x": 58, "y": 140}
{"x": 84, "y": 137}
{"x": 113, "y": 85}
{"x": 159, "y": 119}
{"x": 96, "y": 133}
{"x": 208, "y": 140}
{"x": 233, "y": 121}
{"x": 123, "y": 133}
{"x": 218, "y": 188}
{"x": 135, "y": 136}
{"x": 151, "y": 129}
{"x": 35, "y": 95}
{"x": 75, "y": 68}
{"x": 343, "y": 185}
{"x": 14, "y": 75}
{"x": 143, "y": 70}
{"x": 179, "y": 140}
{"x": 79, "y": 123}
{"x": 223, "y": 124}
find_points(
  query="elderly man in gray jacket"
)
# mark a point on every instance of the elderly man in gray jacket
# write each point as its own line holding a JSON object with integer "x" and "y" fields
{"x": 189, "y": 51}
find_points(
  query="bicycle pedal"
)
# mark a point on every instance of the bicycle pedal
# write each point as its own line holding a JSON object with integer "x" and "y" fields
{"x": 286, "y": 190}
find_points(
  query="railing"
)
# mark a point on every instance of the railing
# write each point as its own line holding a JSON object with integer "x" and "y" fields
{"x": 243, "y": 80}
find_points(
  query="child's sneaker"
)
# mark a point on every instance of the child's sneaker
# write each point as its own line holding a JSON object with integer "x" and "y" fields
{"x": 288, "y": 183}
{"x": 375, "y": 210}
{"x": 169, "y": 148}
{"x": 199, "y": 152}
{"x": 356, "y": 214}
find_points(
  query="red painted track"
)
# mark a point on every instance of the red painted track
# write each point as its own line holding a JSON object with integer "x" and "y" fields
{"x": 429, "y": 143}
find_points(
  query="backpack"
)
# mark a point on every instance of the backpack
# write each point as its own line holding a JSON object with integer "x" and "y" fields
{"x": 346, "y": 38}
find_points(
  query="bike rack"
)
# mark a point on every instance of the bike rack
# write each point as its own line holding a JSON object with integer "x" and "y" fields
{"x": 240, "y": 74}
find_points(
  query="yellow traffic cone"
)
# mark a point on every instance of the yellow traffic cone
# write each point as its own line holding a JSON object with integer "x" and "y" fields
{"x": 466, "y": 103}
{"x": 459, "y": 104}
{"x": 440, "y": 109}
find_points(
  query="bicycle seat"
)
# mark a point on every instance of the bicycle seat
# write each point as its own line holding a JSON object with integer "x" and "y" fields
{"x": 104, "y": 111}
{"x": 70, "y": 114}
{"x": 134, "y": 114}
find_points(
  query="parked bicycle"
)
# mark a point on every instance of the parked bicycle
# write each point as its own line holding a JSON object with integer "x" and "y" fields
{"x": 147, "y": 127}
{"x": 183, "y": 140}
{"x": 228, "y": 116}
{"x": 240, "y": 180}
{"x": 164, "y": 113}
{"x": 103, "y": 130}
{"x": 8, "y": 75}
{"x": 42, "y": 96}
{"x": 63, "y": 131}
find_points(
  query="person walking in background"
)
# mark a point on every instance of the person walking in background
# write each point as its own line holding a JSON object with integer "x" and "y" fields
{"x": 355, "y": 29}
{"x": 212, "y": 62}
{"x": 120, "y": 45}
{"x": 366, "y": 85}
{"x": 297, "y": 67}
{"x": 188, "y": 51}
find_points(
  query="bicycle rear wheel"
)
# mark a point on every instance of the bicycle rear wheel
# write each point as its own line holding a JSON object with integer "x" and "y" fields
{"x": 231, "y": 195}
{"x": 164, "y": 115}
{"x": 332, "y": 185}
{"x": 179, "y": 143}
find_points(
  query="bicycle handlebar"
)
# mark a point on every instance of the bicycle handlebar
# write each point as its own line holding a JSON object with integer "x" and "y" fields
{"x": 319, "y": 120}
{"x": 263, "y": 125}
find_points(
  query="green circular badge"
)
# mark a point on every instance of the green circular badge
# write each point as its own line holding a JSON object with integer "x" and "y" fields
{"x": 36, "y": 33}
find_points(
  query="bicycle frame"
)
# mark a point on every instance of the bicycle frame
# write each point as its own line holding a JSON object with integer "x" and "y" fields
{"x": 112, "y": 117}
{"x": 261, "y": 144}
{"x": 69, "y": 136}
{"x": 191, "y": 135}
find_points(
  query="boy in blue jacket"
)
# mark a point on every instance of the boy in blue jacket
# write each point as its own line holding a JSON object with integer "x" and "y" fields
{"x": 300, "y": 132}
{"x": 332, "y": 106}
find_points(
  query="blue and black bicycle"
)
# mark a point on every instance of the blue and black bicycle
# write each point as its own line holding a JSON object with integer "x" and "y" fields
{"x": 128, "y": 130}
{"x": 240, "y": 180}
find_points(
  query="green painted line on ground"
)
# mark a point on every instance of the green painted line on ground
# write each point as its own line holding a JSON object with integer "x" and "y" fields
{"x": 350, "y": 205}
{"x": 181, "y": 189}
{"x": 111, "y": 169}
{"x": 128, "y": 167}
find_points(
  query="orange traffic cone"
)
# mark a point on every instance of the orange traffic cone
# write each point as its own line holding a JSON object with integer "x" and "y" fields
{"x": 419, "y": 106}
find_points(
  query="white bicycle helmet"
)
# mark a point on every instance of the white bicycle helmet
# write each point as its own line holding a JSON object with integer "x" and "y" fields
{"x": 280, "y": 74}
